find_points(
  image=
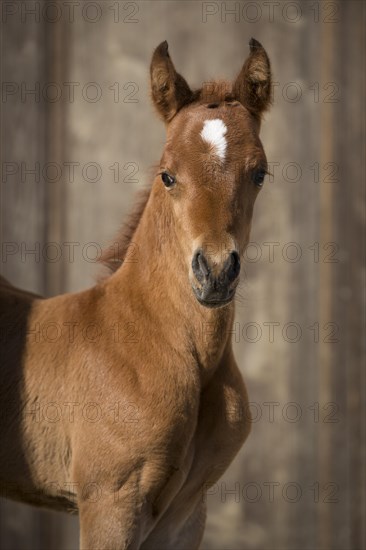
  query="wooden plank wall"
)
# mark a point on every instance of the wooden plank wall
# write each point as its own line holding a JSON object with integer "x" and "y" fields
{"x": 31, "y": 206}
{"x": 299, "y": 481}
{"x": 23, "y": 129}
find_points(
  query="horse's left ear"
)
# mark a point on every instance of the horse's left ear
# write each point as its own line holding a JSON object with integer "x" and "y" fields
{"x": 253, "y": 84}
{"x": 169, "y": 90}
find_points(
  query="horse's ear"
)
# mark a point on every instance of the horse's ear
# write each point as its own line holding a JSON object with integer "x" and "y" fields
{"x": 169, "y": 90}
{"x": 253, "y": 84}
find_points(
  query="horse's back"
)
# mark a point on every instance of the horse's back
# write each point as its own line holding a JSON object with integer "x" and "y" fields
{"x": 15, "y": 308}
{"x": 7, "y": 289}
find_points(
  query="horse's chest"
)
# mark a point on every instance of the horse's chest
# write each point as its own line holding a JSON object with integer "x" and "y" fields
{"x": 218, "y": 435}
{"x": 220, "y": 432}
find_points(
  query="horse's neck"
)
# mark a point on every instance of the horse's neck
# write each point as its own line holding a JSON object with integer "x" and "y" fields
{"x": 158, "y": 279}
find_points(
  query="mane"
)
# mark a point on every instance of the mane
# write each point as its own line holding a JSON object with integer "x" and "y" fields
{"x": 215, "y": 91}
{"x": 113, "y": 256}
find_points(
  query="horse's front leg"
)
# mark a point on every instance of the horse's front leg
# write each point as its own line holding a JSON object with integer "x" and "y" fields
{"x": 222, "y": 428}
{"x": 111, "y": 522}
{"x": 119, "y": 514}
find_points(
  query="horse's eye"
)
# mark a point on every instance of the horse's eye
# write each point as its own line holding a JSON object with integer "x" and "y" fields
{"x": 258, "y": 177}
{"x": 168, "y": 180}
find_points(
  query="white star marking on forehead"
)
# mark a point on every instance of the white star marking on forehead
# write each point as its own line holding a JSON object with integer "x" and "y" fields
{"x": 213, "y": 132}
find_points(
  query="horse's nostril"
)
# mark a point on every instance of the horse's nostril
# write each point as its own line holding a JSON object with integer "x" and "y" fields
{"x": 235, "y": 259}
{"x": 203, "y": 264}
{"x": 200, "y": 266}
{"x": 233, "y": 268}
{"x": 229, "y": 271}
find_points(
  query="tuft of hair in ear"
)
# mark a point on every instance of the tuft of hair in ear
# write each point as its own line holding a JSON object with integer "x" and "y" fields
{"x": 253, "y": 86}
{"x": 170, "y": 92}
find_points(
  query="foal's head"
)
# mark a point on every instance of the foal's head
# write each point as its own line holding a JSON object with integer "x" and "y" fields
{"x": 212, "y": 167}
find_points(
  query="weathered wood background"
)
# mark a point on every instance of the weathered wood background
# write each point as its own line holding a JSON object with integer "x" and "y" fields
{"x": 299, "y": 335}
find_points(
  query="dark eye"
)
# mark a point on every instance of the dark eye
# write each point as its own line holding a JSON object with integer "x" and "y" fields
{"x": 168, "y": 180}
{"x": 258, "y": 177}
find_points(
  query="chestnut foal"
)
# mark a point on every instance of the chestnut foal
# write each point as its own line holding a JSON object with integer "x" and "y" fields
{"x": 122, "y": 403}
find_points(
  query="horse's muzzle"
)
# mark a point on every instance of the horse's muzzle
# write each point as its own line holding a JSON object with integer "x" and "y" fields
{"x": 216, "y": 283}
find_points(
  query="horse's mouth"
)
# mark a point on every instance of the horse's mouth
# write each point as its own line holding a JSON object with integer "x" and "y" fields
{"x": 214, "y": 301}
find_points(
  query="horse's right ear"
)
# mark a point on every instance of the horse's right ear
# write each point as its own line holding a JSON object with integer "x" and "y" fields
{"x": 253, "y": 84}
{"x": 169, "y": 90}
